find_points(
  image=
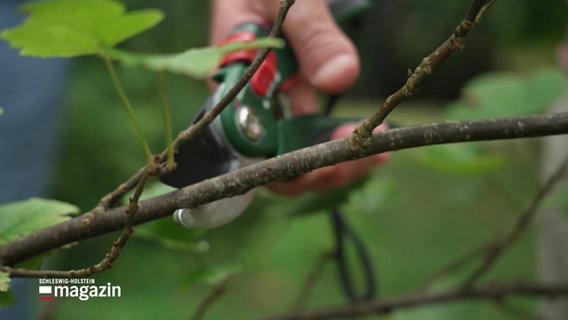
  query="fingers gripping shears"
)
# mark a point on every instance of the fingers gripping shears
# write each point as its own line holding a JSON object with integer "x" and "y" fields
{"x": 256, "y": 125}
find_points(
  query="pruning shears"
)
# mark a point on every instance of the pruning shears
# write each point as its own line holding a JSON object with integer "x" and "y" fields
{"x": 254, "y": 126}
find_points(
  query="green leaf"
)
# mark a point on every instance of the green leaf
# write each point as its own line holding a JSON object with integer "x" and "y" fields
{"x": 26, "y": 216}
{"x": 4, "y": 282}
{"x": 197, "y": 62}
{"x": 67, "y": 28}
{"x": 459, "y": 158}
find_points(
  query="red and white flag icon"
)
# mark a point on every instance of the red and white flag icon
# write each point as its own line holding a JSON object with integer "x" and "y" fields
{"x": 45, "y": 293}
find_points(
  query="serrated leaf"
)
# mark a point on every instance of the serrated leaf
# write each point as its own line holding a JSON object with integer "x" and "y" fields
{"x": 26, "y": 216}
{"x": 67, "y": 28}
{"x": 197, "y": 62}
{"x": 463, "y": 159}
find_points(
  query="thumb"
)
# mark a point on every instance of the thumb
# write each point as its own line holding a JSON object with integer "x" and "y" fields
{"x": 326, "y": 56}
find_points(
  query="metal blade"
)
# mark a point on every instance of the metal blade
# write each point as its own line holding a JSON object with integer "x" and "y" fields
{"x": 206, "y": 156}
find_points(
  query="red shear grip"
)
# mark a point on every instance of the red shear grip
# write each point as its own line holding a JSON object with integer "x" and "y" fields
{"x": 284, "y": 86}
{"x": 242, "y": 55}
{"x": 263, "y": 79}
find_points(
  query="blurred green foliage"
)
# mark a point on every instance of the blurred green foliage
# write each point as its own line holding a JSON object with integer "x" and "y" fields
{"x": 502, "y": 94}
{"x": 414, "y": 217}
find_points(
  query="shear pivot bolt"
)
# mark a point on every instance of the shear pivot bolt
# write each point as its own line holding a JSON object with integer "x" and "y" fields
{"x": 249, "y": 123}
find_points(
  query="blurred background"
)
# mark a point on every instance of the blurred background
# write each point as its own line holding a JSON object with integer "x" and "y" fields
{"x": 422, "y": 210}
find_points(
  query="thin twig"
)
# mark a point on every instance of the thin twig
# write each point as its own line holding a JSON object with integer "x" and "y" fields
{"x": 514, "y": 311}
{"x": 312, "y": 278}
{"x": 213, "y": 296}
{"x": 452, "y": 266}
{"x": 195, "y": 129}
{"x": 111, "y": 198}
{"x": 363, "y": 134}
{"x": 387, "y": 305}
{"x": 494, "y": 251}
{"x": 109, "y": 258}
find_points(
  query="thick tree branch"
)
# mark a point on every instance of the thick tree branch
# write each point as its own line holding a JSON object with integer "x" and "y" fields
{"x": 280, "y": 168}
{"x": 386, "y": 305}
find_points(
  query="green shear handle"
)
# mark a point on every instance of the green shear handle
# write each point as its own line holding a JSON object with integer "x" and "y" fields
{"x": 254, "y": 124}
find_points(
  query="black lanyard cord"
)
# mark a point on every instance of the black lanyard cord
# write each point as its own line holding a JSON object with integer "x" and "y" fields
{"x": 344, "y": 233}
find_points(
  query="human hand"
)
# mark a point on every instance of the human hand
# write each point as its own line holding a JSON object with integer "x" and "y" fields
{"x": 562, "y": 53}
{"x": 328, "y": 62}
